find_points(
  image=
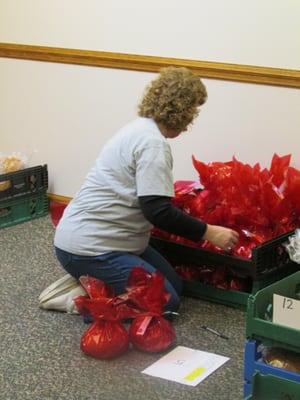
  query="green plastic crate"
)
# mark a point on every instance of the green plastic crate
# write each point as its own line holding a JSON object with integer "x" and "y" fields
{"x": 270, "y": 387}
{"x": 266, "y": 331}
{"x": 21, "y": 209}
{"x": 232, "y": 298}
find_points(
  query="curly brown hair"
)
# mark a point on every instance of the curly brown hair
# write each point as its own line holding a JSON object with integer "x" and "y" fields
{"x": 173, "y": 97}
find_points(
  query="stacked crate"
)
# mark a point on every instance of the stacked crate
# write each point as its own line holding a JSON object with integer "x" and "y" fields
{"x": 23, "y": 195}
{"x": 270, "y": 387}
{"x": 269, "y": 263}
{"x": 263, "y": 381}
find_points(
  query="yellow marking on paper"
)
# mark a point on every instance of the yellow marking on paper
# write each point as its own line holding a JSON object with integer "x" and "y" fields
{"x": 194, "y": 374}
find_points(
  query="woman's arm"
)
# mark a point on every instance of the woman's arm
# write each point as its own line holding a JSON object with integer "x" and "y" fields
{"x": 161, "y": 213}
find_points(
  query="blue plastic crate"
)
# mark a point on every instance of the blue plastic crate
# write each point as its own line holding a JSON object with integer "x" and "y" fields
{"x": 253, "y": 363}
{"x": 247, "y": 389}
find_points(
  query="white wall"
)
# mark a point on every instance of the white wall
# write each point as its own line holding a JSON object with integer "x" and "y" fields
{"x": 257, "y": 32}
{"x": 66, "y": 113}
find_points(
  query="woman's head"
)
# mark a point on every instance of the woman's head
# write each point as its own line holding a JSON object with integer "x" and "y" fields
{"x": 173, "y": 98}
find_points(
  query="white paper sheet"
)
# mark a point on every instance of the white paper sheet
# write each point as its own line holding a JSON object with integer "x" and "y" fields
{"x": 185, "y": 365}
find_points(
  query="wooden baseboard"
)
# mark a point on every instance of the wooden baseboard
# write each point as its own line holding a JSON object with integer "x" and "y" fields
{"x": 59, "y": 198}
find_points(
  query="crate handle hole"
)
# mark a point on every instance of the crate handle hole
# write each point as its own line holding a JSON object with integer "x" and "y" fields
{"x": 4, "y": 212}
{"x": 33, "y": 207}
{"x": 33, "y": 181}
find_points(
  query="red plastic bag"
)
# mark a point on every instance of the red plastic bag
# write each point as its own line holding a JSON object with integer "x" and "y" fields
{"x": 80, "y": 302}
{"x": 150, "y": 296}
{"x": 203, "y": 201}
{"x": 147, "y": 291}
{"x": 138, "y": 277}
{"x": 279, "y": 168}
{"x": 56, "y": 211}
{"x": 216, "y": 175}
{"x": 186, "y": 187}
{"x": 151, "y": 333}
{"x": 106, "y": 337}
{"x": 96, "y": 288}
{"x": 292, "y": 190}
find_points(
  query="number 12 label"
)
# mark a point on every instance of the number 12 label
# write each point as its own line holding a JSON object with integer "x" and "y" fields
{"x": 286, "y": 311}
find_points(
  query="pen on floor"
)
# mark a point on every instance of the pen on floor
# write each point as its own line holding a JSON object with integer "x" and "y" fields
{"x": 221, "y": 335}
{"x": 170, "y": 313}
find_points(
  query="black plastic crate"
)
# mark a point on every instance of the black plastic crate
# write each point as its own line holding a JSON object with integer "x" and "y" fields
{"x": 23, "y": 208}
{"x": 179, "y": 254}
{"x": 24, "y": 182}
{"x": 267, "y": 259}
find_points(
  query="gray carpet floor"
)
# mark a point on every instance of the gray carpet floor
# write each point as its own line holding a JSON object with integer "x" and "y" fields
{"x": 40, "y": 358}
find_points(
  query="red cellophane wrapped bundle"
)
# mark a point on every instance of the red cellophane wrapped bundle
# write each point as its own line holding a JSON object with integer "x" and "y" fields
{"x": 259, "y": 203}
{"x": 106, "y": 337}
{"x": 98, "y": 289}
{"x": 152, "y": 334}
{"x": 95, "y": 288}
{"x": 149, "y": 331}
{"x": 143, "y": 302}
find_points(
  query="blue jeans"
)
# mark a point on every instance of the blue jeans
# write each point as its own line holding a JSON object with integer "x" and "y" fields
{"x": 114, "y": 268}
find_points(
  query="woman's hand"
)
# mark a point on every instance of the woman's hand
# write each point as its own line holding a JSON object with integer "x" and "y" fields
{"x": 224, "y": 238}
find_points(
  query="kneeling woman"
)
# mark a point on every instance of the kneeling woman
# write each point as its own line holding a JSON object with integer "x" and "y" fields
{"x": 105, "y": 230}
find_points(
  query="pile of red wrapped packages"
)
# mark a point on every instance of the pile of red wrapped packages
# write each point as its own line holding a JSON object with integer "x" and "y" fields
{"x": 259, "y": 203}
{"x": 142, "y": 304}
{"x": 219, "y": 277}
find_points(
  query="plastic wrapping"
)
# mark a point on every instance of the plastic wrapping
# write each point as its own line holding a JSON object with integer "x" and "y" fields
{"x": 146, "y": 290}
{"x": 219, "y": 277}
{"x": 143, "y": 303}
{"x": 105, "y": 340}
{"x": 293, "y": 246}
{"x": 106, "y": 337}
{"x": 152, "y": 333}
{"x": 96, "y": 288}
{"x": 281, "y": 358}
{"x": 11, "y": 163}
{"x": 189, "y": 272}
{"x": 56, "y": 211}
{"x": 260, "y": 204}
{"x": 149, "y": 331}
